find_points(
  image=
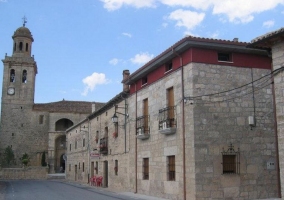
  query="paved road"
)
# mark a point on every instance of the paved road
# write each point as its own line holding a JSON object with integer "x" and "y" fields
{"x": 54, "y": 190}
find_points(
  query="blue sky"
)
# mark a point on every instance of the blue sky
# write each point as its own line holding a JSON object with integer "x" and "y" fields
{"x": 82, "y": 46}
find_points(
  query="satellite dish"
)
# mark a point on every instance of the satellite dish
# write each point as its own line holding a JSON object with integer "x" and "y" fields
{"x": 64, "y": 157}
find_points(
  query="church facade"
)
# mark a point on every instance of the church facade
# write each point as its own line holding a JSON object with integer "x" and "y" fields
{"x": 28, "y": 127}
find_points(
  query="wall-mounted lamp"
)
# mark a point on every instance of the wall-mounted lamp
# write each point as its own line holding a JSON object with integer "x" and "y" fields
{"x": 114, "y": 118}
{"x": 251, "y": 121}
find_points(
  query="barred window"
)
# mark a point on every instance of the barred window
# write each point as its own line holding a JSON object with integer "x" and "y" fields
{"x": 231, "y": 160}
{"x": 171, "y": 168}
{"x": 146, "y": 168}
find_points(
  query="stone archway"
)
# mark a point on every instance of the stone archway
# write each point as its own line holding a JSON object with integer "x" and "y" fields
{"x": 60, "y": 150}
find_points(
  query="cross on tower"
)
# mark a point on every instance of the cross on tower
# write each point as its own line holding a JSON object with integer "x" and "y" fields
{"x": 24, "y": 20}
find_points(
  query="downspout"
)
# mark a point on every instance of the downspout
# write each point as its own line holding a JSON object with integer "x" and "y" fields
{"x": 88, "y": 149}
{"x": 135, "y": 141}
{"x": 183, "y": 124}
{"x": 276, "y": 138}
{"x": 125, "y": 118}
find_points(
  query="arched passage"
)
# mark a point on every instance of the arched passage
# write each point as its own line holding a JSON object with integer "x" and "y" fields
{"x": 63, "y": 124}
{"x": 60, "y": 150}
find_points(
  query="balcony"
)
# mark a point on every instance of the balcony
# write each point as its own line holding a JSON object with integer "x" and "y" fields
{"x": 103, "y": 146}
{"x": 143, "y": 129}
{"x": 167, "y": 120}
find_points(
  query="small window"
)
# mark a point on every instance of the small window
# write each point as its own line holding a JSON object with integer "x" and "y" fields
{"x": 76, "y": 144}
{"x": 116, "y": 167}
{"x": 146, "y": 168}
{"x": 168, "y": 67}
{"x": 97, "y": 167}
{"x": 15, "y": 46}
{"x": 224, "y": 57}
{"x": 83, "y": 166}
{"x": 79, "y": 165}
{"x": 70, "y": 147}
{"x": 69, "y": 167}
{"x": 97, "y": 118}
{"x": 144, "y": 80}
{"x": 231, "y": 160}
{"x": 12, "y": 75}
{"x": 27, "y": 47}
{"x": 84, "y": 142}
{"x": 106, "y": 113}
{"x": 41, "y": 117}
{"x": 171, "y": 168}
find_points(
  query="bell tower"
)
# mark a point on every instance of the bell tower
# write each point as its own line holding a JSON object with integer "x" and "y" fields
{"x": 18, "y": 89}
{"x": 20, "y": 70}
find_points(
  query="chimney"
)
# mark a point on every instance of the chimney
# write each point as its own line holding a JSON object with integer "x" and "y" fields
{"x": 235, "y": 39}
{"x": 125, "y": 74}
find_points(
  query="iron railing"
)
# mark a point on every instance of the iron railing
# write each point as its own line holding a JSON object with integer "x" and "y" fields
{"x": 143, "y": 123}
{"x": 167, "y": 117}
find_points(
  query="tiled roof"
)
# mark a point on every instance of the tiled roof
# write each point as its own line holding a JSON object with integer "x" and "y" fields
{"x": 266, "y": 40}
{"x": 65, "y": 106}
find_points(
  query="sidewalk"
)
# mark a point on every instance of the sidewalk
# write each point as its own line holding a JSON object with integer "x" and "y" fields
{"x": 101, "y": 189}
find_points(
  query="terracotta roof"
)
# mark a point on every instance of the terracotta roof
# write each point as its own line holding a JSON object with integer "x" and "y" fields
{"x": 65, "y": 106}
{"x": 267, "y": 40}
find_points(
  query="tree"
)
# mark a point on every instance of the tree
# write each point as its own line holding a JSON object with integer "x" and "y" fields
{"x": 8, "y": 155}
{"x": 43, "y": 163}
{"x": 25, "y": 159}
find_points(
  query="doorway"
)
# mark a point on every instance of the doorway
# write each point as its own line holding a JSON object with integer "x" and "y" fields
{"x": 105, "y": 180}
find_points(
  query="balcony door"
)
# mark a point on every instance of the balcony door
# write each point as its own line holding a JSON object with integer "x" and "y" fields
{"x": 171, "y": 104}
{"x": 145, "y": 114}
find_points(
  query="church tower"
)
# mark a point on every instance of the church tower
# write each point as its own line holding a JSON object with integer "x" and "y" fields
{"x": 18, "y": 90}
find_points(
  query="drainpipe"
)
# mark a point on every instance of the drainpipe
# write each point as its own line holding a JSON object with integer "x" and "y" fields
{"x": 276, "y": 138}
{"x": 88, "y": 149}
{"x": 125, "y": 118}
{"x": 183, "y": 124}
{"x": 135, "y": 141}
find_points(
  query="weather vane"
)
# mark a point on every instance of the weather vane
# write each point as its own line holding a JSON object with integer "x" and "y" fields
{"x": 24, "y": 20}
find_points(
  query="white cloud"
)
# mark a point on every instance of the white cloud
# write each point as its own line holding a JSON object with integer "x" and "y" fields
{"x": 165, "y": 25}
{"x": 142, "y": 58}
{"x": 268, "y": 24}
{"x": 92, "y": 81}
{"x": 237, "y": 11}
{"x": 187, "y": 18}
{"x": 111, "y": 5}
{"x": 114, "y": 61}
{"x": 3, "y": 0}
{"x": 127, "y": 34}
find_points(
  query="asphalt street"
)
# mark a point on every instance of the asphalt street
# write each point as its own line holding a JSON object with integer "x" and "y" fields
{"x": 54, "y": 190}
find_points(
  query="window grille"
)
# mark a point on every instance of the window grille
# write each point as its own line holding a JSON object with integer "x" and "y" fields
{"x": 171, "y": 168}
{"x": 231, "y": 160}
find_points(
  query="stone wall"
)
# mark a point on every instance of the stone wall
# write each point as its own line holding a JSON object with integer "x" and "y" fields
{"x": 278, "y": 61}
{"x": 23, "y": 173}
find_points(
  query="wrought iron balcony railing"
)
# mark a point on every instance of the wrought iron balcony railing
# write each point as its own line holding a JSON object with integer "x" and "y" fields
{"x": 167, "y": 117}
{"x": 143, "y": 128}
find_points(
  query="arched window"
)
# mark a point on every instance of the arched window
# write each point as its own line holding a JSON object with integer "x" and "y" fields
{"x": 24, "y": 76}
{"x": 21, "y": 46}
{"x": 27, "y": 46}
{"x": 15, "y": 47}
{"x": 12, "y": 75}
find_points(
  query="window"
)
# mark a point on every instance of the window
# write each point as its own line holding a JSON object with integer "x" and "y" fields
{"x": 168, "y": 67}
{"x": 231, "y": 160}
{"x": 69, "y": 167}
{"x": 15, "y": 47}
{"x": 21, "y": 46}
{"x": 84, "y": 142}
{"x": 116, "y": 167}
{"x": 12, "y": 75}
{"x": 83, "y": 166}
{"x": 171, "y": 105}
{"x": 224, "y": 57}
{"x": 97, "y": 167}
{"x": 171, "y": 168}
{"x": 27, "y": 46}
{"x": 41, "y": 117}
{"x": 146, "y": 168}
{"x": 146, "y": 114}
{"x": 79, "y": 165}
{"x": 144, "y": 80}
{"x": 106, "y": 113}
{"x": 97, "y": 136}
{"x": 70, "y": 147}
{"x": 24, "y": 76}
{"x": 76, "y": 144}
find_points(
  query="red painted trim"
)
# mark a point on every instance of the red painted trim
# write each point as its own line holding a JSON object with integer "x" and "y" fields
{"x": 206, "y": 56}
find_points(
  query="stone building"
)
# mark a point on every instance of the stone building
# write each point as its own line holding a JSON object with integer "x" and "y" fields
{"x": 30, "y": 127}
{"x": 273, "y": 43}
{"x": 198, "y": 123}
